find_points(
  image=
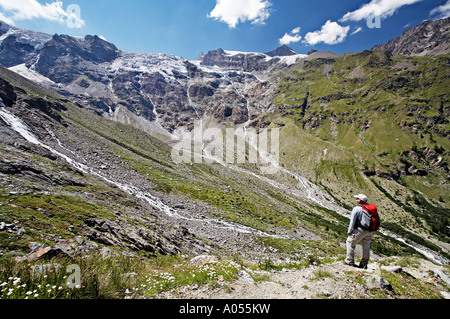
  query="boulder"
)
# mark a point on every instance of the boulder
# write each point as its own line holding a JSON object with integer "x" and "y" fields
{"x": 46, "y": 253}
{"x": 376, "y": 282}
{"x": 396, "y": 269}
{"x": 445, "y": 294}
{"x": 245, "y": 276}
{"x": 203, "y": 260}
{"x": 442, "y": 275}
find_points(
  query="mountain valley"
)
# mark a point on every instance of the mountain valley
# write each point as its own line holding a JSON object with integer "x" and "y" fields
{"x": 88, "y": 133}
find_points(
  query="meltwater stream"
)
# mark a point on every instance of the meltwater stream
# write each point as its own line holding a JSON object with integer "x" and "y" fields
{"x": 17, "y": 125}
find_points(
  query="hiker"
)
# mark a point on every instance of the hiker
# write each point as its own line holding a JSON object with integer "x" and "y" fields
{"x": 357, "y": 234}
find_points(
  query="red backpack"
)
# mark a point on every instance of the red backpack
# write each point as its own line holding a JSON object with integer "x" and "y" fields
{"x": 371, "y": 220}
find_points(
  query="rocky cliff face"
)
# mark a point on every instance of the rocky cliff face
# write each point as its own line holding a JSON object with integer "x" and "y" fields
{"x": 64, "y": 59}
{"x": 250, "y": 61}
{"x": 19, "y": 46}
{"x": 160, "y": 89}
{"x": 236, "y": 61}
{"x": 429, "y": 38}
{"x": 284, "y": 50}
{"x": 12, "y": 52}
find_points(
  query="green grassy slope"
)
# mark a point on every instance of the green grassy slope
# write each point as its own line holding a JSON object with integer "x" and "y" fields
{"x": 373, "y": 123}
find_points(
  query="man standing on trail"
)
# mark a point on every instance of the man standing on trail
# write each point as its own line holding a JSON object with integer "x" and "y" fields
{"x": 357, "y": 234}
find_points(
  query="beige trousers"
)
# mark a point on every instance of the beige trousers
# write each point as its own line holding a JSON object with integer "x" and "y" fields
{"x": 359, "y": 236}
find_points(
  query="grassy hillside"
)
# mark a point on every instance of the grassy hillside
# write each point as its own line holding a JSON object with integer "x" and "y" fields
{"x": 373, "y": 123}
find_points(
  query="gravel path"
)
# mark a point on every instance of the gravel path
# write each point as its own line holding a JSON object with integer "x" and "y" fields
{"x": 333, "y": 281}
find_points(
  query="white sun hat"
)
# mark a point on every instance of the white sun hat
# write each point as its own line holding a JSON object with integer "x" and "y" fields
{"x": 361, "y": 197}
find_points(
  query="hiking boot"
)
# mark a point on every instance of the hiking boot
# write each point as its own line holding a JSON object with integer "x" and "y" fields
{"x": 362, "y": 266}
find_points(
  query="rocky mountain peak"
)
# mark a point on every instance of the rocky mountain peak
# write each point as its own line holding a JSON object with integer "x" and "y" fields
{"x": 33, "y": 38}
{"x": 62, "y": 52}
{"x": 284, "y": 50}
{"x": 3, "y": 27}
{"x": 428, "y": 38}
{"x": 19, "y": 46}
{"x": 13, "y": 52}
{"x": 91, "y": 48}
{"x": 249, "y": 61}
{"x": 100, "y": 48}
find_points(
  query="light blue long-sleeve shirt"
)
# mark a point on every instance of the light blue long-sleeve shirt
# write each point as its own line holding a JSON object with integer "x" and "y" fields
{"x": 355, "y": 216}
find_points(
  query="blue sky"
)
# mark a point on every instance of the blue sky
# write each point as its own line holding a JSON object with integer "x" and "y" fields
{"x": 186, "y": 27}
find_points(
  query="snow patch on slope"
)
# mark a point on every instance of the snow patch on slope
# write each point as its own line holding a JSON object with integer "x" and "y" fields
{"x": 163, "y": 63}
{"x": 35, "y": 39}
{"x": 289, "y": 60}
{"x": 31, "y": 74}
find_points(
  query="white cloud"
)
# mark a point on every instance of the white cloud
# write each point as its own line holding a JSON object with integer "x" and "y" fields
{"x": 334, "y": 33}
{"x": 331, "y": 33}
{"x": 288, "y": 39}
{"x": 359, "y": 29}
{"x": 234, "y": 11}
{"x": 292, "y": 37}
{"x": 6, "y": 19}
{"x": 442, "y": 11}
{"x": 15, "y": 10}
{"x": 382, "y": 8}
